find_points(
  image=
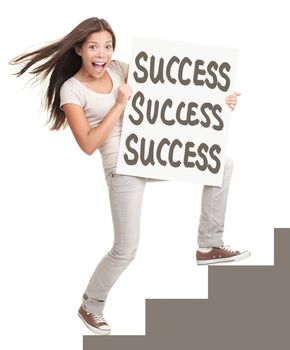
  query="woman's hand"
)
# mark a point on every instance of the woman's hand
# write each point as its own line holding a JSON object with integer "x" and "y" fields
{"x": 231, "y": 100}
{"x": 124, "y": 94}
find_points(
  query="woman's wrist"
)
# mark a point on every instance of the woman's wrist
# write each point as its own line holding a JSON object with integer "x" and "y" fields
{"x": 119, "y": 106}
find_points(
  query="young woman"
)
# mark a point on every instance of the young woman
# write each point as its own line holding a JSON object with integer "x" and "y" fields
{"x": 87, "y": 90}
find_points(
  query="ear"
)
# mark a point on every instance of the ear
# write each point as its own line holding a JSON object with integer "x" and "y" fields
{"x": 78, "y": 51}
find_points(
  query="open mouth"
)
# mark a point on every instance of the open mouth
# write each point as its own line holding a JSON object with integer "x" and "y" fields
{"x": 99, "y": 66}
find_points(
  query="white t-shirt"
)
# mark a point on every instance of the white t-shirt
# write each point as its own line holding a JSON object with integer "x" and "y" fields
{"x": 97, "y": 105}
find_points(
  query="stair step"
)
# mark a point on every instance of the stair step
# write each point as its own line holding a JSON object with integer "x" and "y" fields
{"x": 248, "y": 308}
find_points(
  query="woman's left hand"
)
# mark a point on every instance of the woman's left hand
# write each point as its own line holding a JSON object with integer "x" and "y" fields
{"x": 231, "y": 100}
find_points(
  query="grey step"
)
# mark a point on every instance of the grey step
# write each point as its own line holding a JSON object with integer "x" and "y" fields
{"x": 248, "y": 307}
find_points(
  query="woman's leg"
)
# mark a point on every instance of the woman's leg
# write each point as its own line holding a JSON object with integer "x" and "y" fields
{"x": 126, "y": 194}
{"x": 213, "y": 209}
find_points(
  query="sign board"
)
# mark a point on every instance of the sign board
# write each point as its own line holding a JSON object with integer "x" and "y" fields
{"x": 176, "y": 123}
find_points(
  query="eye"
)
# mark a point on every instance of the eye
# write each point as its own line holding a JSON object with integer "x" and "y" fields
{"x": 92, "y": 47}
{"x": 109, "y": 47}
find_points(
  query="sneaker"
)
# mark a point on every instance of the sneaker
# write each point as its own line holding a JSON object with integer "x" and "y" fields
{"x": 219, "y": 254}
{"x": 95, "y": 322}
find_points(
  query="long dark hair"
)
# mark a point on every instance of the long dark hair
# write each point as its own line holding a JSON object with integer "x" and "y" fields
{"x": 60, "y": 62}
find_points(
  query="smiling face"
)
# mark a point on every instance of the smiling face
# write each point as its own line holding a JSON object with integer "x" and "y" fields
{"x": 96, "y": 53}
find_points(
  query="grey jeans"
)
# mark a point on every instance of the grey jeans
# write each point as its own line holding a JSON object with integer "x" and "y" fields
{"x": 126, "y": 194}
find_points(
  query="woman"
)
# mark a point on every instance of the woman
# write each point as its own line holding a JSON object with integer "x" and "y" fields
{"x": 88, "y": 90}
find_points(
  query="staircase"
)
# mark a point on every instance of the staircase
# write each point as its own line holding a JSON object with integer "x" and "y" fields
{"x": 248, "y": 307}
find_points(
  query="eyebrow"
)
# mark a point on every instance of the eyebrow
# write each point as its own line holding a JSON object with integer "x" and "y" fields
{"x": 96, "y": 42}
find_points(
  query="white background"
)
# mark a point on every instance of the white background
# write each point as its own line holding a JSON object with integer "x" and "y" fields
{"x": 55, "y": 216}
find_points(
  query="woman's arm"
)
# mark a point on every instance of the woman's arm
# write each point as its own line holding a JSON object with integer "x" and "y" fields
{"x": 89, "y": 139}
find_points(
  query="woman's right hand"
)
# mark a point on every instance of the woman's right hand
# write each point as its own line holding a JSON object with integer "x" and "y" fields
{"x": 124, "y": 94}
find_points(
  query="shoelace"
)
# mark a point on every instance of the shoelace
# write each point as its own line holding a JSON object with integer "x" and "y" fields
{"x": 99, "y": 318}
{"x": 226, "y": 249}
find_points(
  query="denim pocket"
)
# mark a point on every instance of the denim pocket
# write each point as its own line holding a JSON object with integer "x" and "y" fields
{"x": 120, "y": 183}
{"x": 109, "y": 174}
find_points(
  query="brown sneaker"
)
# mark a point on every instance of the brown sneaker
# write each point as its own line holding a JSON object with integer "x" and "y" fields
{"x": 95, "y": 322}
{"x": 220, "y": 254}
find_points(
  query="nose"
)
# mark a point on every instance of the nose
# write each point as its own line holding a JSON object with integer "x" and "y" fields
{"x": 101, "y": 52}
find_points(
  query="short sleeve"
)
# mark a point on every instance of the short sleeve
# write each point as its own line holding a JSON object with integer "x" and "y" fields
{"x": 122, "y": 69}
{"x": 69, "y": 93}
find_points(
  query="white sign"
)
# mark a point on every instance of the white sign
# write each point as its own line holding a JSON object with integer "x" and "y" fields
{"x": 176, "y": 123}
